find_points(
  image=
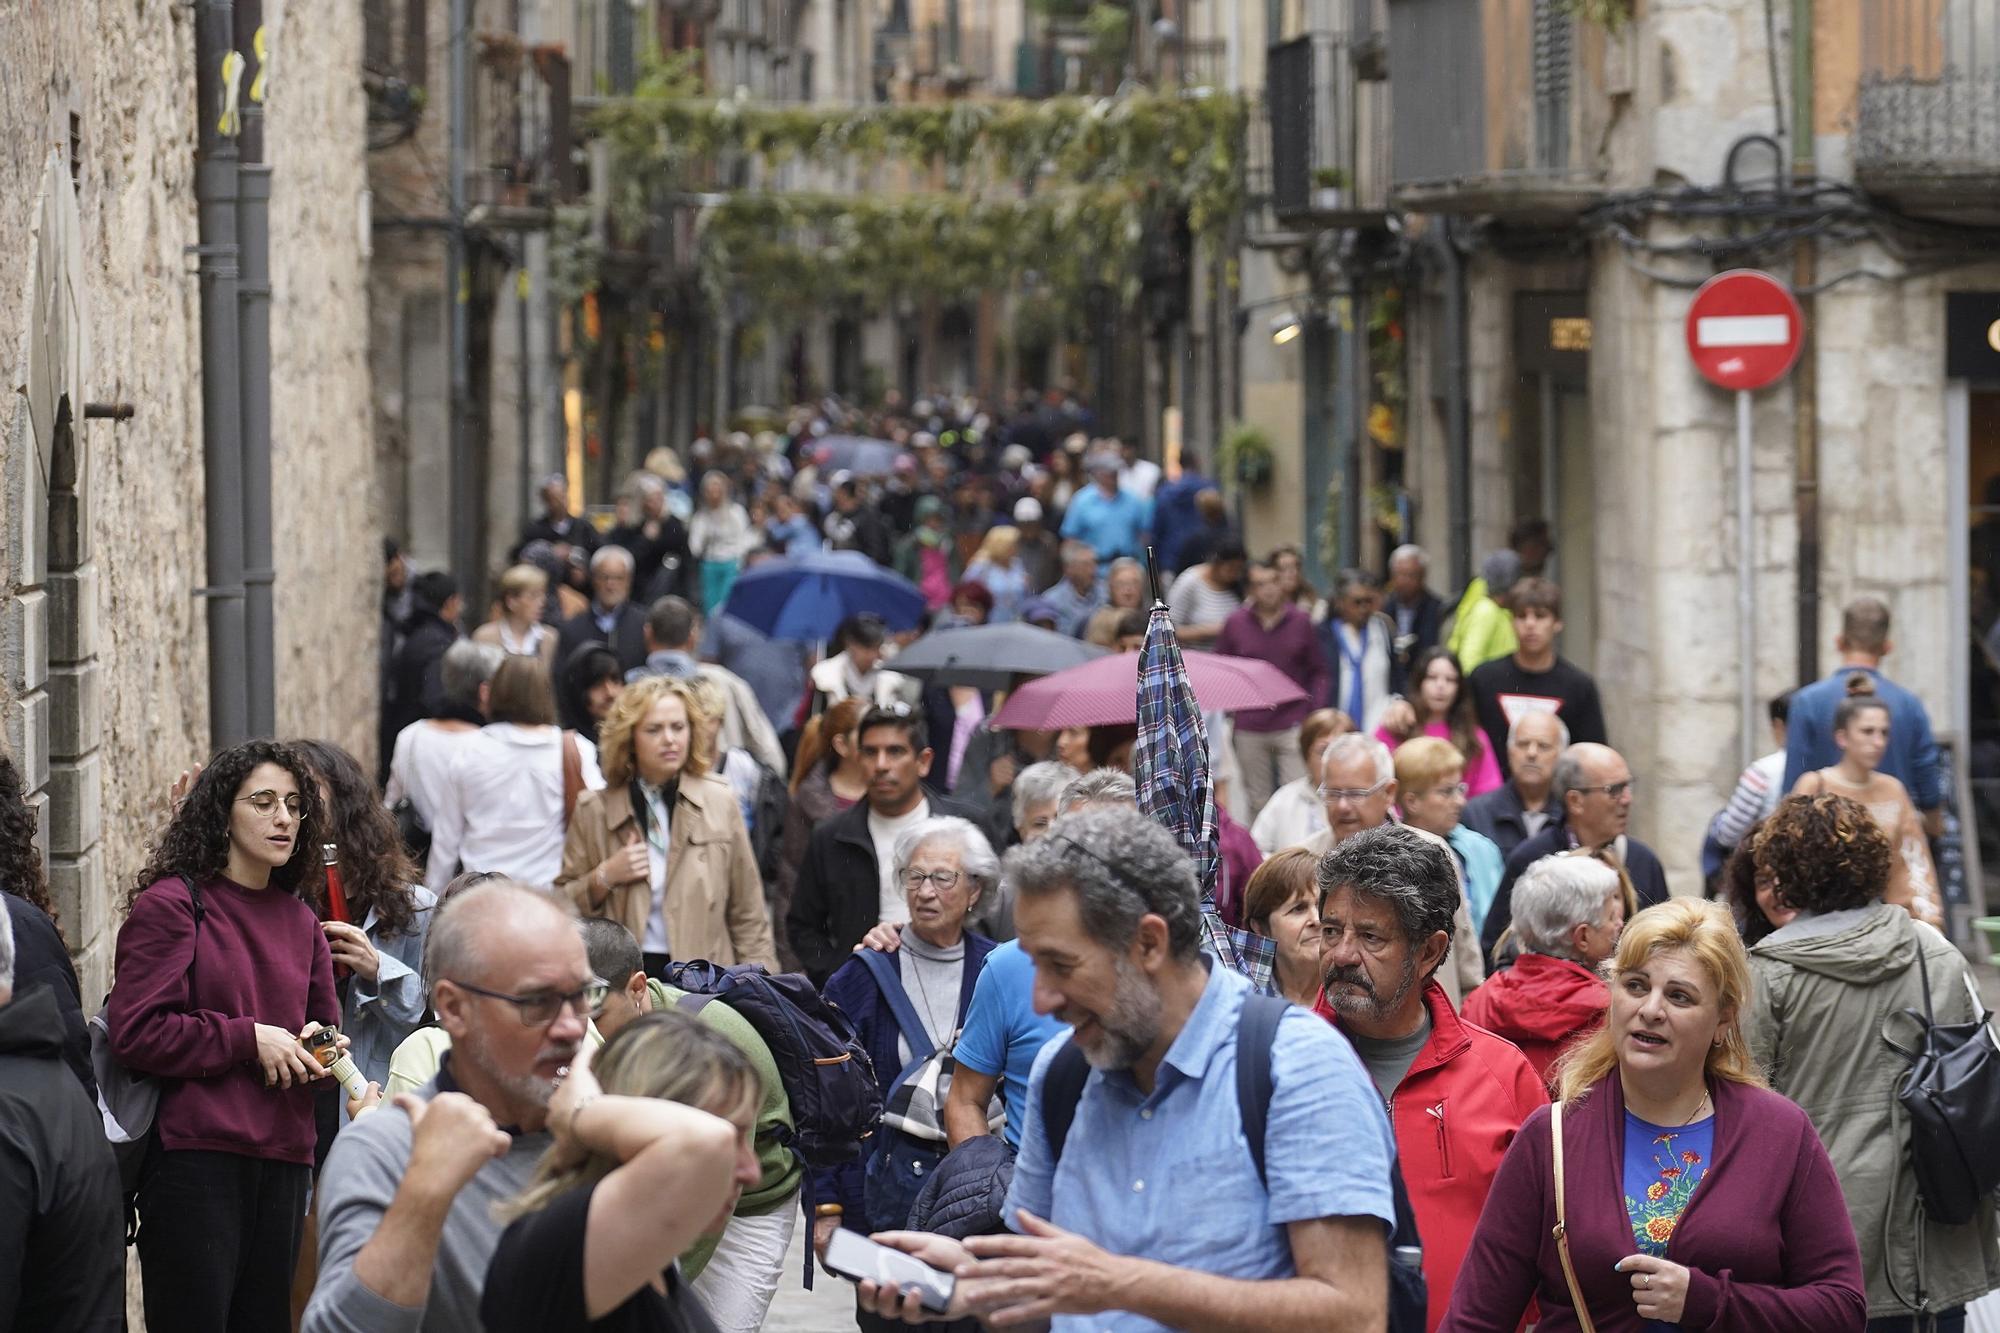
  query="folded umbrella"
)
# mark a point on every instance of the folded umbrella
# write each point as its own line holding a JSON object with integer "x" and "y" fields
{"x": 806, "y": 599}
{"x": 859, "y": 454}
{"x": 1106, "y": 692}
{"x": 991, "y": 656}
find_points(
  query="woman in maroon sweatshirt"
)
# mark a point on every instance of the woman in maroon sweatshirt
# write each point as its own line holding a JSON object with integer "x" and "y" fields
{"x": 212, "y": 991}
{"x": 1695, "y": 1197}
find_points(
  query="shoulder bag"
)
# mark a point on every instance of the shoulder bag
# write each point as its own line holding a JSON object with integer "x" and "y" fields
{"x": 1561, "y": 1228}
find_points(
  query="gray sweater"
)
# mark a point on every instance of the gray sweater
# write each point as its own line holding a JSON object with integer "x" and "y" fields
{"x": 355, "y": 1189}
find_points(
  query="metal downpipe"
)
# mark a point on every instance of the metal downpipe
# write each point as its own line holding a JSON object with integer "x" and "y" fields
{"x": 253, "y": 224}
{"x": 218, "y": 86}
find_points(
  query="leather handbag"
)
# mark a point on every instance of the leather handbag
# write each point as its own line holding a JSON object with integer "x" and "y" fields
{"x": 1561, "y": 1227}
{"x": 1951, "y": 1093}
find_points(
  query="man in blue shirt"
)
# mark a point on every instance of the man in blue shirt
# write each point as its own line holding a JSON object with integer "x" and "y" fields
{"x": 1080, "y": 591}
{"x": 1912, "y": 756}
{"x": 1112, "y": 521}
{"x": 1174, "y": 516}
{"x": 1154, "y": 1217}
{"x": 1002, "y": 1036}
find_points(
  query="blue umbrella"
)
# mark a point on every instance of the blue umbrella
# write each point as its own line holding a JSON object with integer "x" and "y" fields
{"x": 859, "y": 453}
{"x": 805, "y": 600}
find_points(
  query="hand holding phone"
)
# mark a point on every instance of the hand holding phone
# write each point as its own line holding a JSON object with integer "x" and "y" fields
{"x": 856, "y": 1257}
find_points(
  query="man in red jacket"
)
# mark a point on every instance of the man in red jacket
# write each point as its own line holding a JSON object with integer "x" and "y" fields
{"x": 1568, "y": 913}
{"x": 1456, "y": 1093}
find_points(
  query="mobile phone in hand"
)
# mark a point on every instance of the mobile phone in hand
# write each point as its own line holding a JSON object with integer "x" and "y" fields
{"x": 859, "y": 1259}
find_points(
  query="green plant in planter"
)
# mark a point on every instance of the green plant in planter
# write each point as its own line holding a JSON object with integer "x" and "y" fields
{"x": 1329, "y": 178}
{"x": 1247, "y": 456}
{"x": 1611, "y": 15}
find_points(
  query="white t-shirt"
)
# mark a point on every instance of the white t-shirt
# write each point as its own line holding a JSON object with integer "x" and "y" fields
{"x": 895, "y": 907}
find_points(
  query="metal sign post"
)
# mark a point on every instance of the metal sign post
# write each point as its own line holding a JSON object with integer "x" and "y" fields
{"x": 1746, "y": 580}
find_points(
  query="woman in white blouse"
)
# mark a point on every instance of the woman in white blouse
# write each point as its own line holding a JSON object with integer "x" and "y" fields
{"x": 519, "y": 630}
{"x": 719, "y": 535}
{"x": 504, "y": 805}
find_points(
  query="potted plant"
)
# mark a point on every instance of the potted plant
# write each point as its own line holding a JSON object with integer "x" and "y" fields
{"x": 1329, "y": 189}
{"x": 1246, "y": 456}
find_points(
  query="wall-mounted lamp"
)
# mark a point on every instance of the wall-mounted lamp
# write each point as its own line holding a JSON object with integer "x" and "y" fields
{"x": 1285, "y": 327}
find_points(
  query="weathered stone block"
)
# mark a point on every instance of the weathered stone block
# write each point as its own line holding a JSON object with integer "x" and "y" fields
{"x": 27, "y": 507}
{"x": 76, "y": 816}
{"x": 76, "y": 885}
{"x": 24, "y": 639}
{"x": 28, "y": 739}
{"x": 73, "y": 618}
{"x": 76, "y": 710}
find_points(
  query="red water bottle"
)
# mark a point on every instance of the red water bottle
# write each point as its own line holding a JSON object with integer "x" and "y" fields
{"x": 336, "y": 897}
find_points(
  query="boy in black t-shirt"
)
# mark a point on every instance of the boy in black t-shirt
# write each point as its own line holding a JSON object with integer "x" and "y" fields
{"x": 1534, "y": 679}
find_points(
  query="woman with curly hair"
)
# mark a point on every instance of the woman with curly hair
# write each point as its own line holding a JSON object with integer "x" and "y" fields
{"x": 663, "y": 849}
{"x": 1669, "y": 1137}
{"x": 1752, "y": 894}
{"x": 1832, "y": 988}
{"x": 221, "y": 968}
{"x": 380, "y": 944}
{"x": 40, "y": 956}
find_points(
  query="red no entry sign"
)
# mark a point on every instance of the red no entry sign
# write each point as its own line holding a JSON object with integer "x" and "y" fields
{"x": 1744, "y": 330}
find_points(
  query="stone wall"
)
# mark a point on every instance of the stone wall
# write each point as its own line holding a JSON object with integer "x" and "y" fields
{"x": 115, "y": 77}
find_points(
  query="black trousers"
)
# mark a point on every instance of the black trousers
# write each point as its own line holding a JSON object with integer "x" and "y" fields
{"x": 218, "y": 1238}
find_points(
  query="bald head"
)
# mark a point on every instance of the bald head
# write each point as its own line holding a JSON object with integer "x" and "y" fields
{"x": 482, "y": 929}
{"x": 1594, "y": 786}
{"x": 1533, "y": 743}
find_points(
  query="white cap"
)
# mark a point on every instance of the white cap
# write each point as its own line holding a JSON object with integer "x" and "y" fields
{"x": 1027, "y": 509}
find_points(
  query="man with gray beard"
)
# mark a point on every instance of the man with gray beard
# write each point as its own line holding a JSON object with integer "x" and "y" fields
{"x": 1455, "y": 1093}
{"x": 1146, "y": 1212}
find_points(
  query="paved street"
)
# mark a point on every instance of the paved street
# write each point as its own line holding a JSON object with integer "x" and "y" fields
{"x": 827, "y": 1308}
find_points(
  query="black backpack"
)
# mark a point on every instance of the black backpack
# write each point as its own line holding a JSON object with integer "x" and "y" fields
{"x": 1951, "y": 1093}
{"x": 1256, "y": 1030}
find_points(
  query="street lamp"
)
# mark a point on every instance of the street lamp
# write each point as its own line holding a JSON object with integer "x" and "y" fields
{"x": 1285, "y": 327}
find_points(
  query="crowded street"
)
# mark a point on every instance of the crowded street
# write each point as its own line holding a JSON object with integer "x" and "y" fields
{"x": 1097, "y": 665}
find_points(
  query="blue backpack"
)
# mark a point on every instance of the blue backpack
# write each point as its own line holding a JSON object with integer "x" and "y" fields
{"x": 827, "y": 1075}
{"x": 1256, "y": 1030}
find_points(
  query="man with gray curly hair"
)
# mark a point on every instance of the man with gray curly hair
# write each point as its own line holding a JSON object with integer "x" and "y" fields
{"x": 1142, "y": 1223}
{"x": 1456, "y": 1093}
{"x": 1568, "y": 913}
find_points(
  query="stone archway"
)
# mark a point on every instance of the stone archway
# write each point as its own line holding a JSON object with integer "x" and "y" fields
{"x": 49, "y": 626}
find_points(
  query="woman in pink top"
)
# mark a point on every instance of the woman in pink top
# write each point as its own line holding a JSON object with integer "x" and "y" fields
{"x": 1443, "y": 706}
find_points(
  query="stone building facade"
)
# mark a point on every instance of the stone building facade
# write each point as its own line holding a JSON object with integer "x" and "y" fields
{"x": 103, "y": 648}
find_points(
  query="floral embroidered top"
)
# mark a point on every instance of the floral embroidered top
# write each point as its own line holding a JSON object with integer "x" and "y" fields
{"x": 1662, "y": 1167}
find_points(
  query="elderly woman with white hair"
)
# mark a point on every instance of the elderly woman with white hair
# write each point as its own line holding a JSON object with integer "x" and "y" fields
{"x": 1569, "y": 910}
{"x": 905, "y": 1004}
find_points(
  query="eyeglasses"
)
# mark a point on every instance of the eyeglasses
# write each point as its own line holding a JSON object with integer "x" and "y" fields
{"x": 538, "y": 1009}
{"x": 266, "y": 804}
{"x": 946, "y": 880}
{"x": 1335, "y": 795}
{"x": 1612, "y": 789}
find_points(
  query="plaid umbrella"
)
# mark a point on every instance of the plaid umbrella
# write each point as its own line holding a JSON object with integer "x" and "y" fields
{"x": 1170, "y": 765}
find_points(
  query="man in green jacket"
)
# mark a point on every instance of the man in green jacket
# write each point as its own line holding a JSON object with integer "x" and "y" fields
{"x": 736, "y": 1273}
{"x": 1482, "y": 628}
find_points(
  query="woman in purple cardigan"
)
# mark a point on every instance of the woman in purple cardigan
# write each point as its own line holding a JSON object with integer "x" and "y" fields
{"x": 220, "y": 969}
{"x": 1695, "y": 1197}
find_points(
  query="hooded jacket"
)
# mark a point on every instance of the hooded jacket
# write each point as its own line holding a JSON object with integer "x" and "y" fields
{"x": 1454, "y": 1114}
{"x": 1541, "y": 1004}
{"x": 1825, "y": 986}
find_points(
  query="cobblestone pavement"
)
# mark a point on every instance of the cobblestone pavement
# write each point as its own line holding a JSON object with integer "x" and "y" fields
{"x": 827, "y": 1308}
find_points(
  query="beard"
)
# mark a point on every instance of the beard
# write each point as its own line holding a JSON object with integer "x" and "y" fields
{"x": 526, "y": 1086}
{"x": 1129, "y": 1028}
{"x": 1364, "y": 1001}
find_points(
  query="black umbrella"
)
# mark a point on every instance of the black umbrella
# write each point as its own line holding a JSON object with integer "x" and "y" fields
{"x": 990, "y": 656}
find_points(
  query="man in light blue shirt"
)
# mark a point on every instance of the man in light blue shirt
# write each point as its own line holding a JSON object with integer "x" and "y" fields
{"x": 1154, "y": 1217}
{"x": 1002, "y": 1036}
{"x": 1114, "y": 522}
{"x": 1079, "y": 592}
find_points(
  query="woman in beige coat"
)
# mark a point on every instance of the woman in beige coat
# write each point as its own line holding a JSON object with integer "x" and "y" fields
{"x": 662, "y": 850}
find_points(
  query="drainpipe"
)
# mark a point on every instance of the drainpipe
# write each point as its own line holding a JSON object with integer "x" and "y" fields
{"x": 1805, "y": 379}
{"x": 218, "y": 87}
{"x": 253, "y": 225}
{"x": 1457, "y": 408}
{"x": 466, "y": 495}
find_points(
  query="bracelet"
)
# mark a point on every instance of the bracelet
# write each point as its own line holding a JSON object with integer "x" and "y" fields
{"x": 828, "y": 1210}
{"x": 577, "y": 1110}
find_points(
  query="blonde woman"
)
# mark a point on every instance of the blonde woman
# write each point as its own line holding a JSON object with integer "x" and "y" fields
{"x": 519, "y": 630}
{"x": 663, "y": 850}
{"x": 654, "y": 1143}
{"x": 997, "y": 567}
{"x": 1669, "y": 1136}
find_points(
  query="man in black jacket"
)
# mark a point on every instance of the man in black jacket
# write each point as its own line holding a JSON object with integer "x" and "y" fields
{"x": 417, "y": 680}
{"x": 42, "y": 962}
{"x": 1593, "y": 789}
{"x": 844, "y": 884}
{"x": 1522, "y": 806}
{"x": 1417, "y": 611}
{"x": 62, "y": 1218}
{"x": 612, "y": 617}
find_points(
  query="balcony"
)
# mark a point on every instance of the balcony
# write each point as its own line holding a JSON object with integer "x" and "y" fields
{"x": 524, "y": 161}
{"x": 1494, "y": 103}
{"x": 1328, "y": 113}
{"x": 1927, "y": 111}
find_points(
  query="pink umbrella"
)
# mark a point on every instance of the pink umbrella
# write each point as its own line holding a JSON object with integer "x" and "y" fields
{"x": 1106, "y": 692}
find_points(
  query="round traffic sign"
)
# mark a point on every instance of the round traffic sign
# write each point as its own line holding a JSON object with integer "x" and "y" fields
{"x": 1744, "y": 329}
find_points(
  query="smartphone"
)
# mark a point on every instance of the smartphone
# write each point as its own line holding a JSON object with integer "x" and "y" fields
{"x": 859, "y": 1259}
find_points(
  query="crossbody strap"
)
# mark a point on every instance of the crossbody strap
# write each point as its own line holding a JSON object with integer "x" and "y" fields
{"x": 889, "y": 979}
{"x": 1561, "y": 1228}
